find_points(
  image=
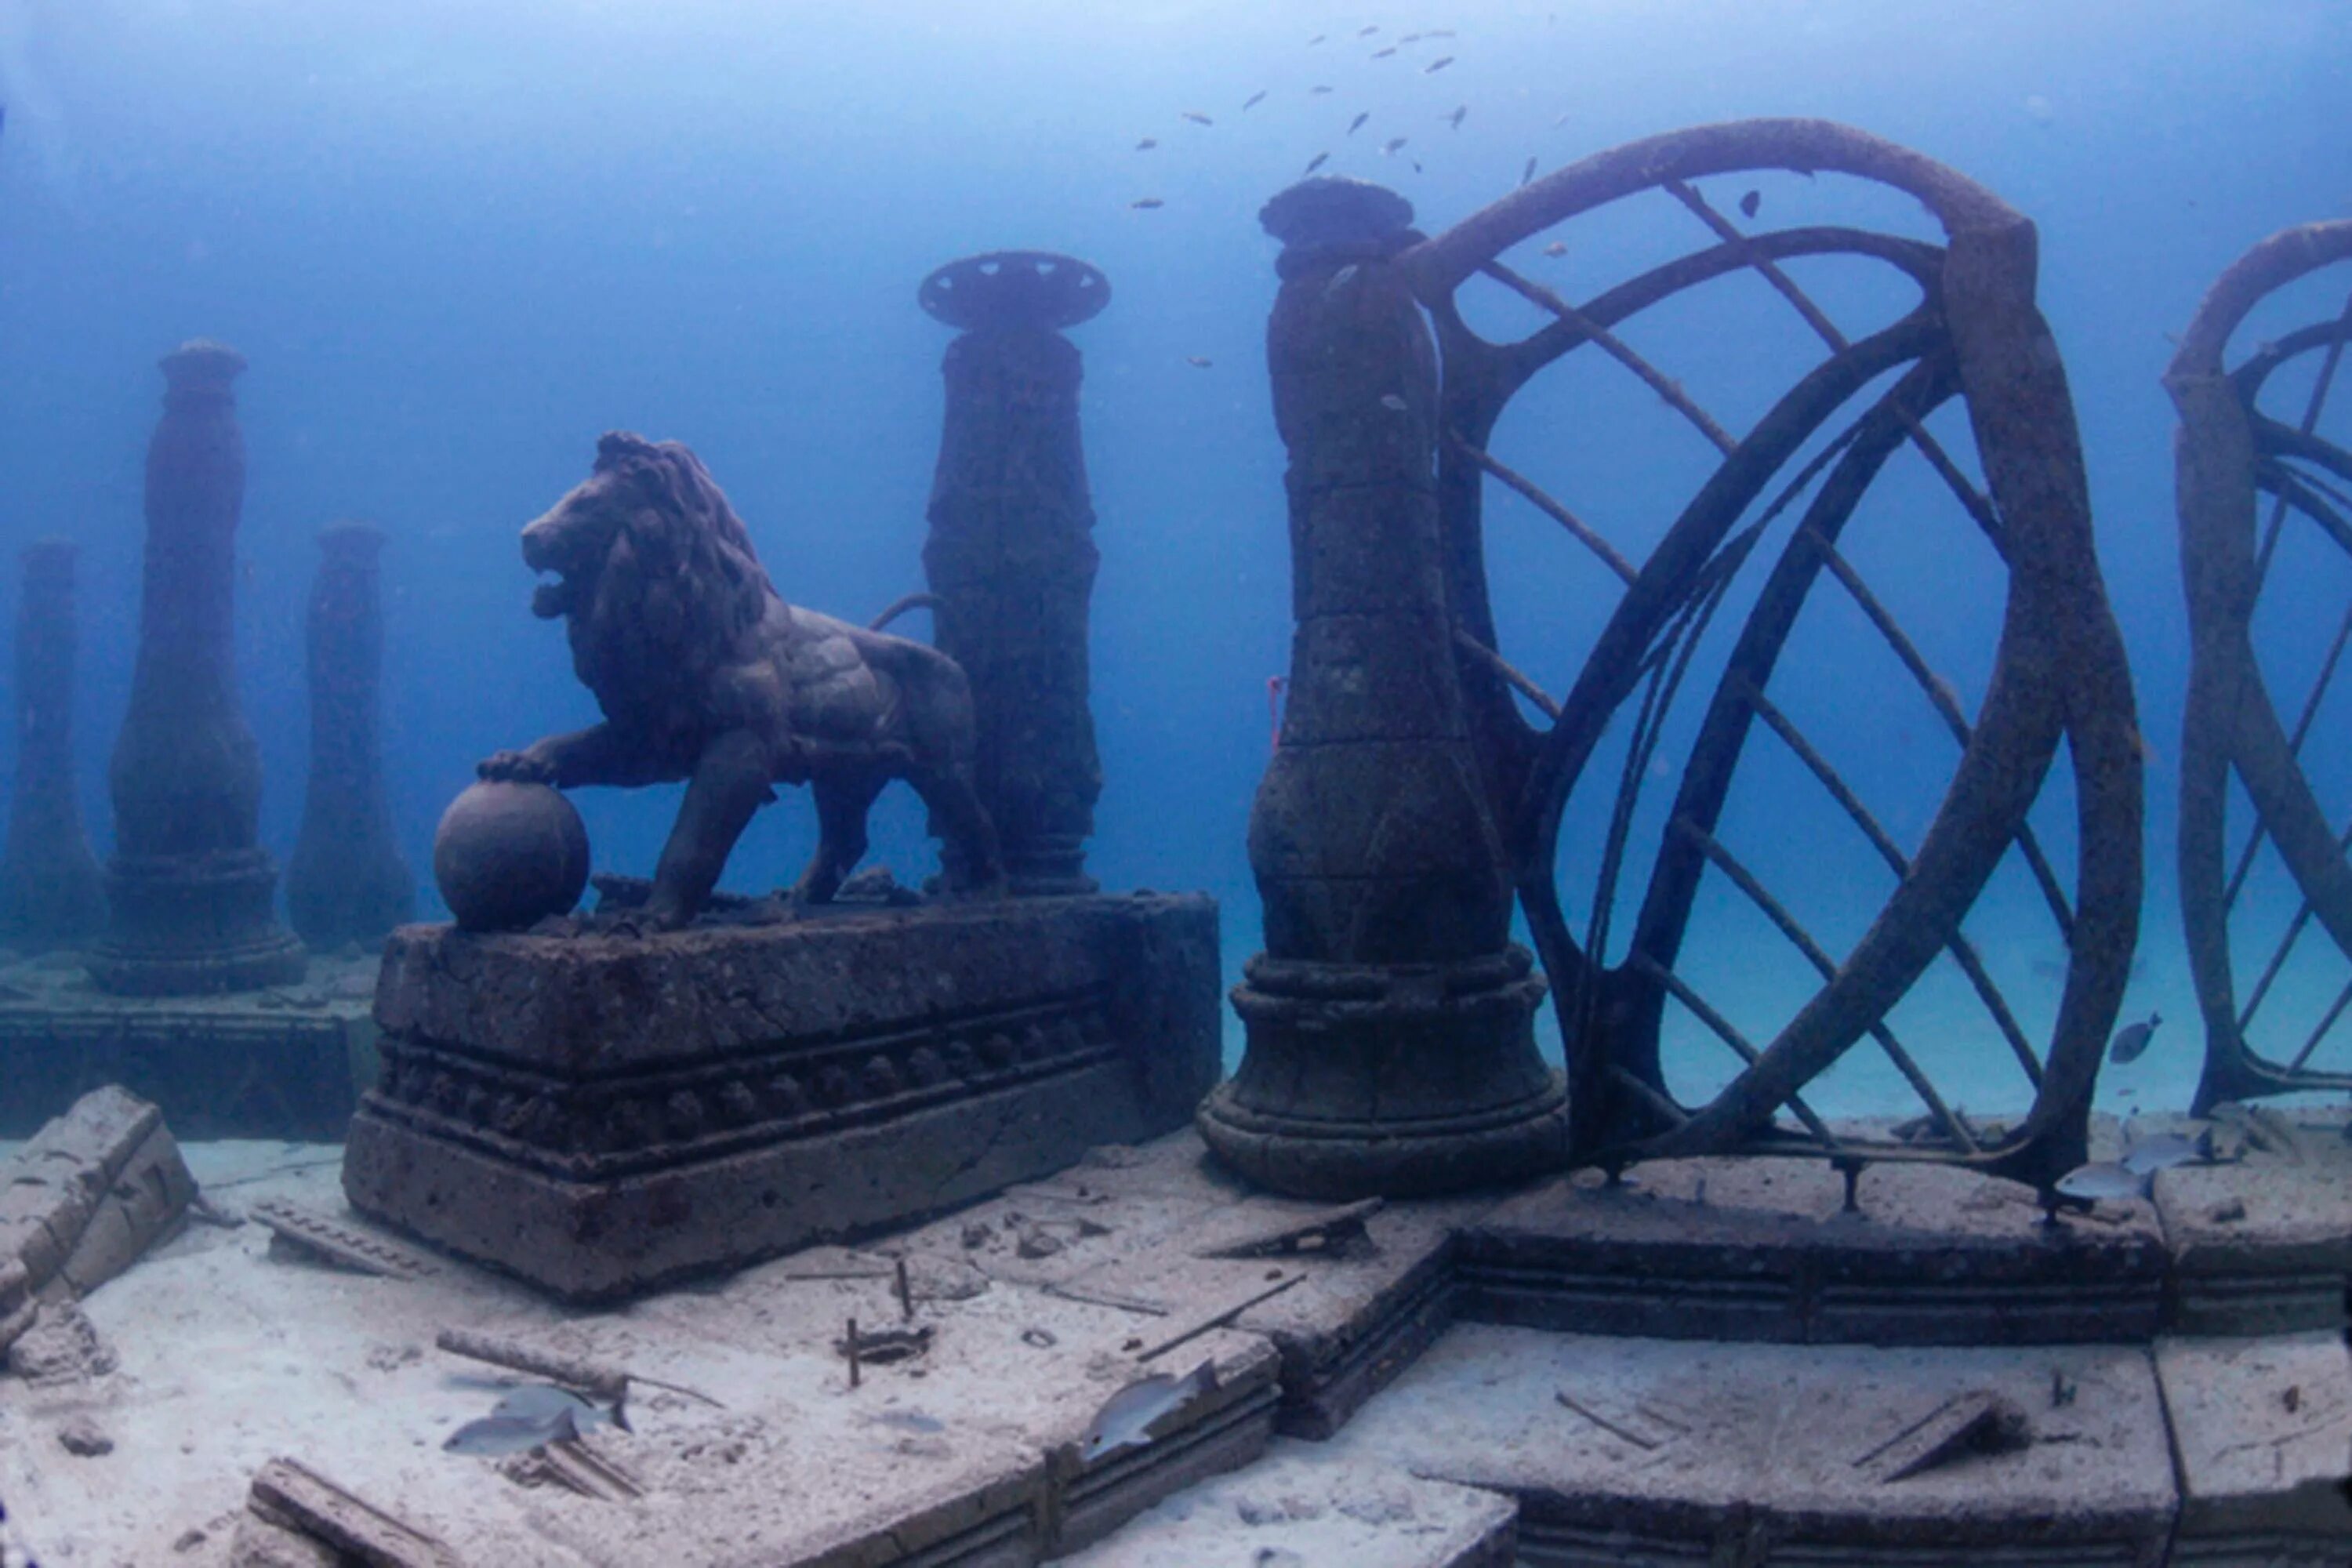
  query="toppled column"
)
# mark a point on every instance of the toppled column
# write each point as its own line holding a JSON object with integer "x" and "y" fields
{"x": 346, "y": 881}
{"x": 82, "y": 1199}
{"x": 1389, "y": 1019}
{"x": 1011, "y": 556}
{"x": 51, "y": 895}
{"x": 190, "y": 890}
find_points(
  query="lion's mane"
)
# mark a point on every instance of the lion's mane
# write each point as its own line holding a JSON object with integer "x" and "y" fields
{"x": 678, "y": 589}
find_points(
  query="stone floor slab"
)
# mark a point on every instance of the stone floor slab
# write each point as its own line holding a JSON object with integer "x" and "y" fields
{"x": 2262, "y": 1245}
{"x": 1305, "y": 1508}
{"x": 2262, "y": 1429}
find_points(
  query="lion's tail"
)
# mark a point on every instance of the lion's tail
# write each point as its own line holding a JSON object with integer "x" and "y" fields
{"x": 901, "y": 606}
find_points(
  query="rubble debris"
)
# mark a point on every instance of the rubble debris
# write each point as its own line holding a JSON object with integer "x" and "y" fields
{"x": 602, "y": 1380}
{"x": 82, "y": 1438}
{"x": 1977, "y": 1422}
{"x": 62, "y": 1346}
{"x": 345, "y": 1245}
{"x": 1327, "y": 1231}
{"x": 86, "y": 1195}
{"x": 576, "y": 1467}
{"x": 881, "y": 1347}
{"x": 1219, "y": 1318}
{"x": 297, "y": 1499}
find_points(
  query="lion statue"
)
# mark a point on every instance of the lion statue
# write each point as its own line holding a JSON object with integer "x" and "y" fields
{"x": 705, "y": 674}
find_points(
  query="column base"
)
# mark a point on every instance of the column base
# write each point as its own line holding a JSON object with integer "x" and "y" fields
{"x": 1407, "y": 1081}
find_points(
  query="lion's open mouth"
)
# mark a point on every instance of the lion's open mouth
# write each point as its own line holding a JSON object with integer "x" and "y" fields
{"x": 550, "y": 600}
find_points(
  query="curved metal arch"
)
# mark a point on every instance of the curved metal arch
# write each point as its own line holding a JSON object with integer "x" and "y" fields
{"x": 2227, "y": 456}
{"x": 2058, "y": 675}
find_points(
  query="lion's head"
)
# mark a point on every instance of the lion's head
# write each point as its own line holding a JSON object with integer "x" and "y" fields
{"x": 655, "y": 575}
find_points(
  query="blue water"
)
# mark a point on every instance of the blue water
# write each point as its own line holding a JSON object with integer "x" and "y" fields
{"x": 456, "y": 241}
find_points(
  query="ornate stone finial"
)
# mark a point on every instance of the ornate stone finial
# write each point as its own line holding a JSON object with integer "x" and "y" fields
{"x": 1333, "y": 209}
{"x": 1014, "y": 288}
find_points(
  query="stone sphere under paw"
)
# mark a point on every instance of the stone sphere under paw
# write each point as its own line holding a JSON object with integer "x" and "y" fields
{"x": 509, "y": 854}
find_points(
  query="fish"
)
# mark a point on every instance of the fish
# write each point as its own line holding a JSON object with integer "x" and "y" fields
{"x": 1339, "y": 281}
{"x": 1147, "y": 203}
{"x": 1253, "y": 100}
{"x": 1318, "y": 90}
{"x": 1750, "y": 202}
{"x": 2166, "y": 1149}
{"x": 2103, "y": 1179}
{"x": 1368, "y": 32}
{"x": 1317, "y": 161}
{"x": 1146, "y": 144}
{"x": 1198, "y": 362}
{"x": 1383, "y": 54}
{"x": 1197, "y": 118}
{"x": 1357, "y": 123}
{"x": 1564, "y": 120}
{"x": 1391, "y": 401}
{"x": 497, "y": 1435}
{"x": 1557, "y": 247}
{"x": 1439, "y": 33}
{"x": 2131, "y": 1041}
{"x": 544, "y": 1401}
{"x": 1127, "y": 1417}
{"x": 1389, "y": 148}
{"x": 1416, "y": 165}
{"x": 1316, "y": 39}
{"x": 1412, "y": 38}
{"x": 1439, "y": 64}
{"x": 1455, "y": 119}
{"x": 1529, "y": 172}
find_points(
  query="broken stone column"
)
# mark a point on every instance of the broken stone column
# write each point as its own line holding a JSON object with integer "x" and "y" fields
{"x": 1390, "y": 1020}
{"x": 50, "y": 896}
{"x": 190, "y": 890}
{"x": 346, "y": 881}
{"x": 1011, "y": 556}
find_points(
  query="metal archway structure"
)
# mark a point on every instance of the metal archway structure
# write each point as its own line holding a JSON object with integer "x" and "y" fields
{"x": 2058, "y": 670}
{"x": 2230, "y": 457}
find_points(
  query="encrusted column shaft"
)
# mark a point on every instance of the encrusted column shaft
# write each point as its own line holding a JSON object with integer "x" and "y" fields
{"x": 1390, "y": 1020}
{"x": 50, "y": 896}
{"x": 1011, "y": 556}
{"x": 346, "y": 881}
{"x": 190, "y": 890}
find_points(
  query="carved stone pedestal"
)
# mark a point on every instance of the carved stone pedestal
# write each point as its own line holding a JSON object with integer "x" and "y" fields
{"x": 602, "y": 1114}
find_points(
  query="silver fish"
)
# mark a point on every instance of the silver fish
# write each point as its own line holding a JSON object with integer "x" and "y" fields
{"x": 1253, "y": 100}
{"x": 1456, "y": 117}
{"x": 2130, "y": 1042}
{"x": 1529, "y": 172}
{"x": 499, "y": 1435}
{"x": 1317, "y": 161}
{"x": 1439, "y": 64}
{"x": 1356, "y": 125}
{"x": 1196, "y": 117}
{"x": 2102, "y": 1179}
{"x": 1127, "y": 1417}
{"x": 1383, "y": 54}
{"x": 1392, "y": 402}
{"x": 545, "y": 1401}
{"x": 1339, "y": 281}
{"x": 1390, "y": 148}
{"x": 2166, "y": 1149}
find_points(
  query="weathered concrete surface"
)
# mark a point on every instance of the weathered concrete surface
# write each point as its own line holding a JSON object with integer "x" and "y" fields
{"x": 1750, "y": 1454}
{"x": 1302, "y": 1507}
{"x": 1761, "y": 1249}
{"x": 600, "y": 1115}
{"x": 279, "y": 1063}
{"x": 2262, "y": 1429}
{"x": 2262, "y": 1245}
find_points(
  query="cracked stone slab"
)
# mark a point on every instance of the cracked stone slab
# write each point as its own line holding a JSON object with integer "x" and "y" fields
{"x": 1666, "y": 1451}
{"x": 1303, "y": 1506}
{"x": 2262, "y": 1430}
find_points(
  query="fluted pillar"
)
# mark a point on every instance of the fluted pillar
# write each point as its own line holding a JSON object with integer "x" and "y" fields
{"x": 50, "y": 896}
{"x": 1390, "y": 1020}
{"x": 346, "y": 881}
{"x": 190, "y": 890}
{"x": 1011, "y": 556}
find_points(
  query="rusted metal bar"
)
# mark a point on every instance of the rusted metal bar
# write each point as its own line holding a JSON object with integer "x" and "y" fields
{"x": 1725, "y": 1030}
{"x": 2294, "y": 745}
{"x": 1668, "y": 389}
{"x": 1963, "y": 952}
{"x": 1509, "y": 673}
{"x": 1788, "y": 925}
{"x": 1549, "y": 507}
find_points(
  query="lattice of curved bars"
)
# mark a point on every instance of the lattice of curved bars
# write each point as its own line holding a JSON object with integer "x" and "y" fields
{"x": 2058, "y": 671}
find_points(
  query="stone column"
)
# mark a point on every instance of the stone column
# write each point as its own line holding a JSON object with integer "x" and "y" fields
{"x": 190, "y": 890}
{"x": 1011, "y": 556}
{"x": 1389, "y": 1019}
{"x": 346, "y": 881}
{"x": 49, "y": 891}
